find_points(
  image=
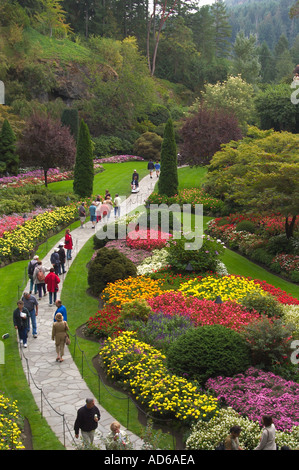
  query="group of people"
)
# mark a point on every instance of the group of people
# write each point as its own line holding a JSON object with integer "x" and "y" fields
{"x": 100, "y": 209}
{"x": 151, "y": 166}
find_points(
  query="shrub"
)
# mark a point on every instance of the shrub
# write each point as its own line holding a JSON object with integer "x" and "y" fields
{"x": 148, "y": 146}
{"x": 269, "y": 342}
{"x": 264, "y": 304}
{"x": 136, "y": 310}
{"x": 245, "y": 226}
{"x": 108, "y": 266}
{"x": 279, "y": 244}
{"x": 208, "y": 351}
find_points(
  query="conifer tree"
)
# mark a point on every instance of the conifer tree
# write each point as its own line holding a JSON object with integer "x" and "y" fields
{"x": 84, "y": 171}
{"x": 9, "y": 160}
{"x": 168, "y": 181}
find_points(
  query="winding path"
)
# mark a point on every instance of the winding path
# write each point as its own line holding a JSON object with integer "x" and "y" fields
{"x": 61, "y": 383}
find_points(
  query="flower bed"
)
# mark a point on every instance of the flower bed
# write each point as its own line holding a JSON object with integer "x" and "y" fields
{"x": 142, "y": 370}
{"x": 132, "y": 288}
{"x": 203, "y": 312}
{"x": 10, "y": 425}
{"x": 119, "y": 159}
{"x": 105, "y": 323}
{"x": 36, "y": 177}
{"x": 21, "y": 242}
{"x": 191, "y": 196}
{"x": 256, "y": 393}
{"x": 148, "y": 240}
{"x": 8, "y": 223}
{"x": 227, "y": 287}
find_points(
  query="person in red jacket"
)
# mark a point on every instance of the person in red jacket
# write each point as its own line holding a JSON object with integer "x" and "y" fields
{"x": 52, "y": 281}
{"x": 68, "y": 243}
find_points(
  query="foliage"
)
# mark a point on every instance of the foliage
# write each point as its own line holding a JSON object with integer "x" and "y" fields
{"x": 45, "y": 143}
{"x": 203, "y": 133}
{"x": 148, "y": 146}
{"x": 264, "y": 304}
{"x": 108, "y": 267}
{"x": 70, "y": 118}
{"x": 9, "y": 161}
{"x": 168, "y": 180}
{"x": 84, "y": 170}
{"x": 208, "y": 351}
{"x": 190, "y": 196}
{"x": 269, "y": 341}
{"x": 128, "y": 360}
{"x": 106, "y": 323}
{"x": 202, "y": 256}
{"x": 138, "y": 310}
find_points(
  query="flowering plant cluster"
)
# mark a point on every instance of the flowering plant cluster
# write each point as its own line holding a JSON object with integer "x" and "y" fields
{"x": 105, "y": 323}
{"x": 229, "y": 287}
{"x": 21, "y": 242}
{"x": 147, "y": 239}
{"x": 131, "y": 288}
{"x": 287, "y": 263}
{"x": 256, "y": 393}
{"x": 278, "y": 293}
{"x": 10, "y": 424}
{"x": 119, "y": 159}
{"x": 8, "y": 223}
{"x": 203, "y": 312}
{"x": 35, "y": 177}
{"x": 155, "y": 262}
{"x": 191, "y": 196}
{"x": 142, "y": 369}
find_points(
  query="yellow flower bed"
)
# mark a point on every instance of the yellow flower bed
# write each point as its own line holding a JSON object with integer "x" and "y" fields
{"x": 132, "y": 288}
{"x": 21, "y": 241}
{"x": 143, "y": 369}
{"x": 228, "y": 287}
{"x": 10, "y": 432}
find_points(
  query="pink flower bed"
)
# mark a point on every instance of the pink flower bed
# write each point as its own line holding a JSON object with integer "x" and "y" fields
{"x": 119, "y": 159}
{"x": 8, "y": 223}
{"x": 36, "y": 177}
{"x": 256, "y": 393}
{"x": 147, "y": 239}
{"x": 203, "y": 312}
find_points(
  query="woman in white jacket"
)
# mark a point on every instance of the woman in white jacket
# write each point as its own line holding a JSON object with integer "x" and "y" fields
{"x": 267, "y": 441}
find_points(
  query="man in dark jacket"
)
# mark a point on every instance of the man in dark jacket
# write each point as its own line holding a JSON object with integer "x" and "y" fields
{"x": 61, "y": 254}
{"x": 55, "y": 261}
{"x": 87, "y": 420}
{"x": 151, "y": 167}
{"x": 21, "y": 322}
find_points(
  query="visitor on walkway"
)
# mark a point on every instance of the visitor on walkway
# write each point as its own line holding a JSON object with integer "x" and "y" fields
{"x": 68, "y": 244}
{"x": 21, "y": 322}
{"x": 52, "y": 281}
{"x": 232, "y": 440}
{"x": 135, "y": 175}
{"x": 151, "y": 167}
{"x": 117, "y": 202}
{"x": 267, "y": 440}
{"x": 31, "y": 304}
{"x": 107, "y": 193}
{"x": 157, "y": 168}
{"x": 59, "y": 334}
{"x": 60, "y": 309}
{"x": 134, "y": 183}
{"x": 87, "y": 420}
{"x": 82, "y": 214}
{"x": 98, "y": 210}
{"x": 116, "y": 439}
{"x": 92, "y": 212}
{"x": 30, "y": 270}
{"x": 61, "y": 254}
{"x": 39, "y": 277}
{"x": 55, "y": 260}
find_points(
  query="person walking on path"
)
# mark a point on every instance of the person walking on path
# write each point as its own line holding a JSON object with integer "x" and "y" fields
{"x": 87, "y": 420}
{"x": 31, "y": 304}
{"x": 82, "y": 214}
{"x": 92, "y": 212}
{"x": 30, "y": 270}
{"x": 267, "y": 441}
{"x": 39, "y": 277}
{"x": 68, "y": 244}
{"x": 151, "y": 167}
{"x": 98, "y": 204}
{"x": 55, "y": 260}
{"x": 157, "y": 168}
{"x": 61, "y": 254}
{"x": 52, "y": 281}
{"x": 21, "y": 322}
{"x": 60, "y": 309}
{"x": 232, "y": 440}
{"x": 59, "y": 334}
{"x": 117, "y": 202}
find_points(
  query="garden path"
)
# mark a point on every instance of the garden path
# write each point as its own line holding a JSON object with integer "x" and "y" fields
{"x": 61, "y": 383}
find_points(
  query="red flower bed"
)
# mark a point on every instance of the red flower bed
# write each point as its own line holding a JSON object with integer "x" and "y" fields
{"x": 105, "y": 323}
{"x": 280, "y": 295}
{"x": 148, "y": 240}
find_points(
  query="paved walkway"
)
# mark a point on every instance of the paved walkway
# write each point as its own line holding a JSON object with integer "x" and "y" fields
{"x": 61, "y": 383}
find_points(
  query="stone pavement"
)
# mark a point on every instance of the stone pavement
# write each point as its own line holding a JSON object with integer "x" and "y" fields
{"x": 62, "y": 387}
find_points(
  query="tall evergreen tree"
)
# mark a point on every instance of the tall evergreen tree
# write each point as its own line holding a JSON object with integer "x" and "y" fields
{"x": 168, "y": 181}
{"x": 246, "y": 60}
{"x": 84, "y": 171}
{"x": 9, "y": 160}
{"x": 222, "y": 28}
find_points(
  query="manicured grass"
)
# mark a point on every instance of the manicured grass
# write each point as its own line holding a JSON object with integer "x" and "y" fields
{"x": 191, "y": 177}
